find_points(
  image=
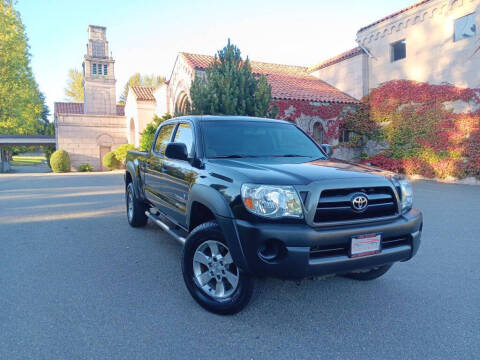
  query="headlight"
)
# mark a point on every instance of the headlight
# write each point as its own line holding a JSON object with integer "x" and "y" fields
{"x": 406, "y": 195}
{"x": 272, "y": 201}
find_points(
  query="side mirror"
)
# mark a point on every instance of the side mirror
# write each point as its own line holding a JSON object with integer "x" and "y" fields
{"x": 327, "y": 149}
{"x": 176, "y": 151}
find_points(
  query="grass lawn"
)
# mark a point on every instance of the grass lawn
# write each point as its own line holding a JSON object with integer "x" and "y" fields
{"x": 27, "y": 160}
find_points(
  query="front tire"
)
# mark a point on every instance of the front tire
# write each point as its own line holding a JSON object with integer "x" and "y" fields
{"x": 370, "y": 274}
{"x": 135, "y": 208}
{"x": 210, "y": 275}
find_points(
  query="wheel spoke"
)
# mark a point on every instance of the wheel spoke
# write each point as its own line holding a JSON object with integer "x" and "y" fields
{"x": 213, "y": 248}
{"x": 204, "y": 278}
{"x": 219, "y": 289}
{"x": 231, "y": 278}
{"x": 227, "y": 259}
{"x": 201, "y": 258}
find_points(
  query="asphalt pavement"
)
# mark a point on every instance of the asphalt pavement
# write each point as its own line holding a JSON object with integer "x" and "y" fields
{"x": 76, "y": 282}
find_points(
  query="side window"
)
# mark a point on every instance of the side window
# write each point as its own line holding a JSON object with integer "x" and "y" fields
{"x": 398, "y": 50}
{"x": 184, "y": 135}
{"x": 465, "y": 27}
{"x": 163, "y": 138}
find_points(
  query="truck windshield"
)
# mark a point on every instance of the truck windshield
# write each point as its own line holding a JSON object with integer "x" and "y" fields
{"x": 237, "y": 139}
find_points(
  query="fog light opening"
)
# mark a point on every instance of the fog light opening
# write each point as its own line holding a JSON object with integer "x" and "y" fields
{"x": 272, "y": 250}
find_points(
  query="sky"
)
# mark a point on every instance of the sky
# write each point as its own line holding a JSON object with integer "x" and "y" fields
{"x": 146, "y": 35}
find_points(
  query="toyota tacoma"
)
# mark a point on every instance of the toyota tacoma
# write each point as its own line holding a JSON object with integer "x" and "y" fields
{"x": 252, "y": 197}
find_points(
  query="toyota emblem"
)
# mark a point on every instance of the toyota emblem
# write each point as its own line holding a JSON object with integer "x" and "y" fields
{"x": 359, "y": 202}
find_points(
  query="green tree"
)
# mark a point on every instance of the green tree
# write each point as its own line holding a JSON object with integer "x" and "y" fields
{"x": 74, "y": 89}
{"x": 146, "y": 137}
{"x": 230, "y": 88}
{"x": 21, "y": 105}
{"x": 138, "y": 79}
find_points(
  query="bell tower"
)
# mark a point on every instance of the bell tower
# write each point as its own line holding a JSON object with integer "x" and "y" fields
{"x": 98, "y": 74}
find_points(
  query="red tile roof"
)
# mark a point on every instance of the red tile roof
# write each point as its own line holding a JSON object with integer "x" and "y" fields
{"x": 68, "y": 108}
{"x": 144, "y": 93}
{"x": 420, "y": 3}
{"x": 287, "y": 81}
{"x": 77, "y": 108}
{"x": 339, "y": 58}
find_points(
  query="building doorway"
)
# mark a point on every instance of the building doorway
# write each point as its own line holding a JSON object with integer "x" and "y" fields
{"x": 318, "y": 133}
{"x": 181, "y": 104}
{"x": 103, "y": 151}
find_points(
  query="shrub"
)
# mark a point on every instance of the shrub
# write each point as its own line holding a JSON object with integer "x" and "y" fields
{"x": 86, "y": 167}
{"x": 60, "y": 161}
{"x": 121, "y": 152}
{"x": 110, "y": 161}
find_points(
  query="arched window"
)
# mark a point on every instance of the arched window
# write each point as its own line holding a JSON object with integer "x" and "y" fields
{"x": 318, "y": 133}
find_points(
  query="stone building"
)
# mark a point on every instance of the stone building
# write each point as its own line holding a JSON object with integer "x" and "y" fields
{"x": 432, "y": 41}
{"x": 302, "y": 98}
{"x": 87, "y": 131}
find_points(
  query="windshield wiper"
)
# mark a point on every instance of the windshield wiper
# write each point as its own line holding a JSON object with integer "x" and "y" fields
{"x": 289, "y": 155}
{"x": 233, "y": 156}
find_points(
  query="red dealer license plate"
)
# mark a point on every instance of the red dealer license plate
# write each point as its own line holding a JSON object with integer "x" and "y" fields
{"x": 364, "y": 245}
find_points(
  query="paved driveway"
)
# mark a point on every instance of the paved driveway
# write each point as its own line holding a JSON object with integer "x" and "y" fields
{"x": 76, "y": 282}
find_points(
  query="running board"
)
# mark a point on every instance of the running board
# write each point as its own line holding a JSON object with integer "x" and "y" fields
{"x": 165, "y": 227}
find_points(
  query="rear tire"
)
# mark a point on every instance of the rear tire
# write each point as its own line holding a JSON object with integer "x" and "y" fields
{"x": 210, "y": 275}
{"x": 370, "y": 274}
{"x": 135, "y": 208}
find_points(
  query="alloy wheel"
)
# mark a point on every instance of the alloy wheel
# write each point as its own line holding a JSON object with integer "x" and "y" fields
{"x": 130, "y": 205}
{"x": 214, "y": 270}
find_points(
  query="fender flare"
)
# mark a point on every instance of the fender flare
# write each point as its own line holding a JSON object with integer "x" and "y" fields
{"x": 132, "y": 168}
{"x": 217, "y": 204}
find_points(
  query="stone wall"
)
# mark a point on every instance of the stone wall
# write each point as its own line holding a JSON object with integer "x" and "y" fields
{"x": 314, "y": 117}
{"x": 100, "y": 96}
{"x": 354, "y": 153}
{"x": 82, "y": 136}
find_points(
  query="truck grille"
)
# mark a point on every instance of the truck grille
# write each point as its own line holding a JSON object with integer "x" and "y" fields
{"x": 336, "y": 204}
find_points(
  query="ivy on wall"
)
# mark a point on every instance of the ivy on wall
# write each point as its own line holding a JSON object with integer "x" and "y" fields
{"x": 332, "y": 114}
{"x": 426, "y": 136}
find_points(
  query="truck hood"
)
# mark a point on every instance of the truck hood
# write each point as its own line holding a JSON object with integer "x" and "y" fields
{"x": 291, "y": 171}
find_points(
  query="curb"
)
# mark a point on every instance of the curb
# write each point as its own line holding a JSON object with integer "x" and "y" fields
{"x": 449, "y": 180}
{"x": 10, "y": 175}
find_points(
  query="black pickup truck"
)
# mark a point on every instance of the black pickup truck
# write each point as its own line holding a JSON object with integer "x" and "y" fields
{"x": 257, "y": 197}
